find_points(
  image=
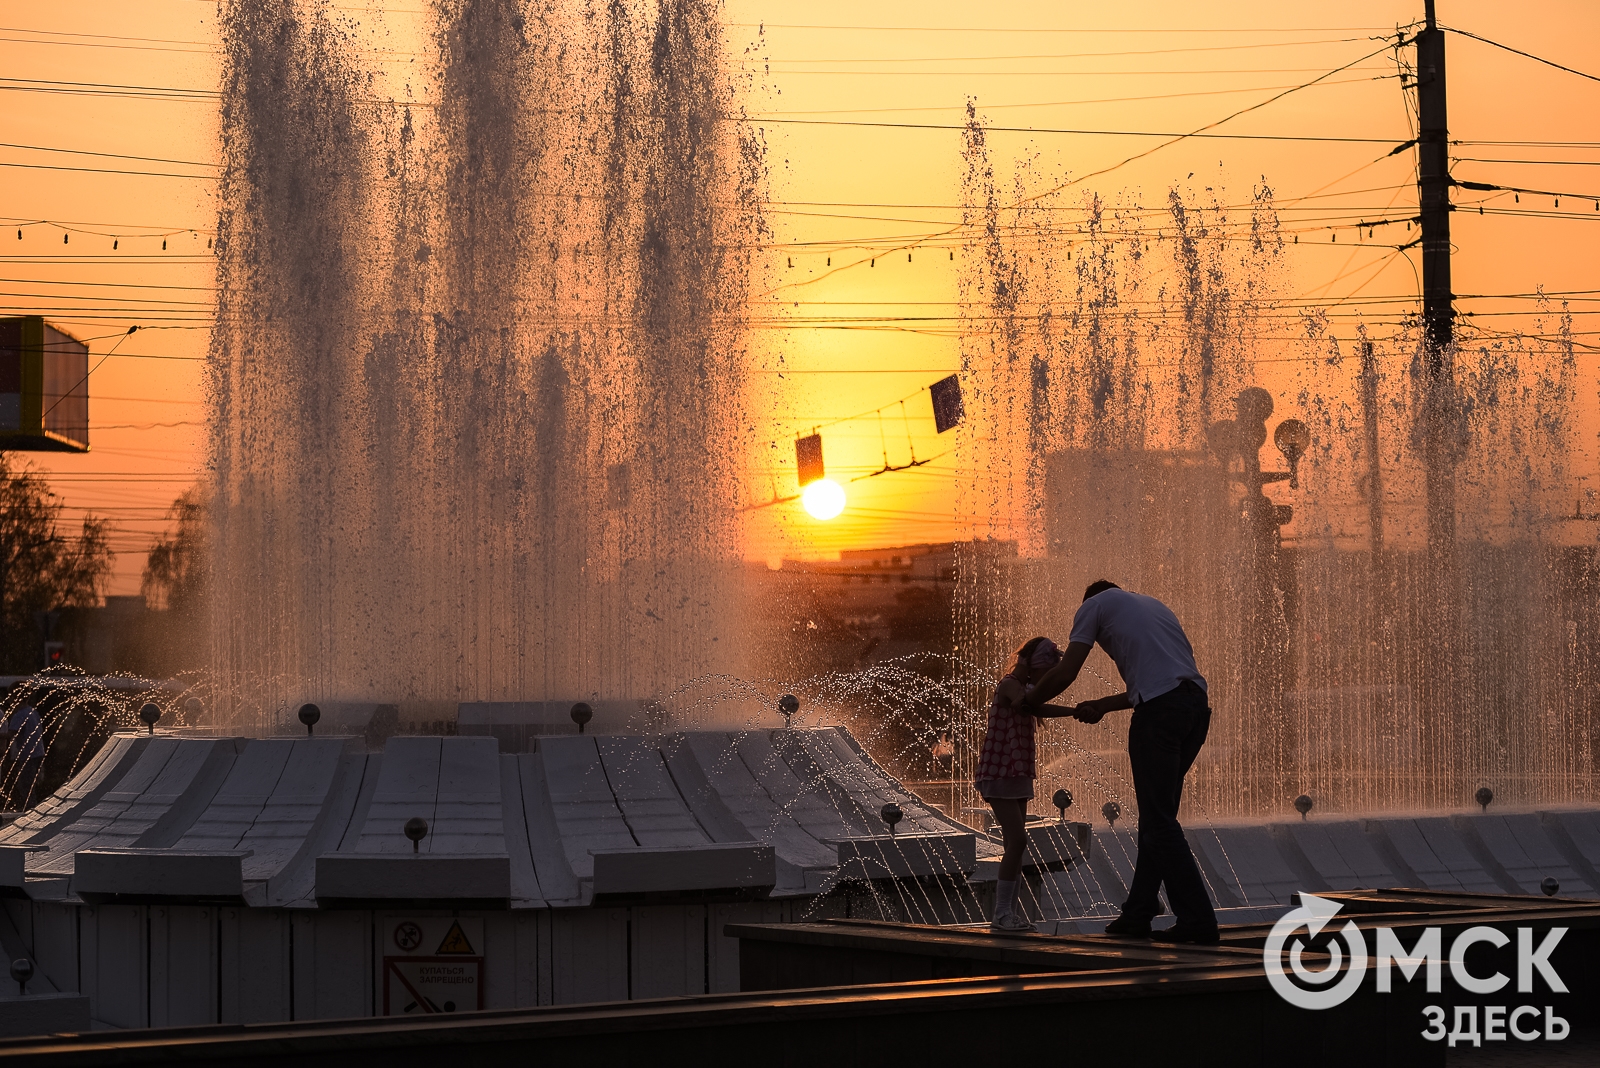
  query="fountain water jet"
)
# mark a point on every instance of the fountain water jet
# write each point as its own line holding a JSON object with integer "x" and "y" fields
{"x": 1113, "y": 361}
{"x": 477, "y": 379}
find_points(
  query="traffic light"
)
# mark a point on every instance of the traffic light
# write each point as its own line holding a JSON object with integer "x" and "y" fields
{"x": 53, "y": 652}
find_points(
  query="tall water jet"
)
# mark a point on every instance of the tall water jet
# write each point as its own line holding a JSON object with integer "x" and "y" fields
{"x": 478, "y": 379}
{"x": 1129, "y": 363}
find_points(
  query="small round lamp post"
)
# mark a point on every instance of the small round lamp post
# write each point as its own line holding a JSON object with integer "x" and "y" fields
{"x": 581, "y": 714}
{"x": 1062, "y": 799}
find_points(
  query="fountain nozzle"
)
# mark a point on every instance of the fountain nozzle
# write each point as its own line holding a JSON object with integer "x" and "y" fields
{"x": 1062, "y": 799}
{"x": 1483, "y": 797}
{"x": 891, "y": 815}
{"x": 788, "y": 705}
{"x": 309, "y": 714}
{"x": 22, "y": 971}
{"x": 581, "y": 714}
{"x": 1111, "y": 811}
{"x": 149, "y": 714}
{"x": 1550, "y": 887}
{"x": 416, "y": 830}
{"x": 1302, "y": 805}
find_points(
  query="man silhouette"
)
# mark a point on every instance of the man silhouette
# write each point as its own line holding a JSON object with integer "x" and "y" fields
{"x": 1171, "y": 715}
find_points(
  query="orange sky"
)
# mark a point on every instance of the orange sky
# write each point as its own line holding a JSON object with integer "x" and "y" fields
{"x": 1132, "y": 66}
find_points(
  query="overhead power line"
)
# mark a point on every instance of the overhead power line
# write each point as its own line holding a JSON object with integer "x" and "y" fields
{"x": 1520, "y": 52}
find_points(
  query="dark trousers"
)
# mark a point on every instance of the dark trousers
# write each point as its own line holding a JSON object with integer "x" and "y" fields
{"x": 1163, "y": 739}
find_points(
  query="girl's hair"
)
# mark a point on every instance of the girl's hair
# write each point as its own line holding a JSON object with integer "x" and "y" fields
{"x": 1025, "y": 653}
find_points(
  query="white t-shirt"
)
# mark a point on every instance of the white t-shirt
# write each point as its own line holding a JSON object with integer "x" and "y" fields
{"x": 1143, "y": 638}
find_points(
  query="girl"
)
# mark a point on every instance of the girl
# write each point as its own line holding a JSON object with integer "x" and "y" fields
{"x": 1005, "y": 770}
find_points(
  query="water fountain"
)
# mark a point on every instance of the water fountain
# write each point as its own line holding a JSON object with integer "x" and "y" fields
{"x": 1116, "y": 358}
{"x": 478, "y": 378}
{"x": 477, "y": 396}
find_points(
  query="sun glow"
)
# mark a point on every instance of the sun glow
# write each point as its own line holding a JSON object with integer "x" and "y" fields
{"x": 823, "y": 499}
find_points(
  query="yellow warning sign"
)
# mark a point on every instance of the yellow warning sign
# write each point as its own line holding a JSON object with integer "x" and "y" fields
{"x": 455, "y": 942}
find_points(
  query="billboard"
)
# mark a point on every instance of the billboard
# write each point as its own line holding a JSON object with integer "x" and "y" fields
{"x": 44, "y": 387}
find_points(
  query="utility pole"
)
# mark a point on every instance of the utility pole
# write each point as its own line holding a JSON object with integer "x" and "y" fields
{"x": 1438, "y": 316}
{"x": 1439, "y": 611}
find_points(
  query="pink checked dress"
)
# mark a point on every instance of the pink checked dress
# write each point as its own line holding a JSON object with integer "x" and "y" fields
{"x": 1005, "y": 764}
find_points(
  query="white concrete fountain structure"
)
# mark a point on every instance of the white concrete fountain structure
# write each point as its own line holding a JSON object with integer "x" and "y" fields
{"x": 186, "y": 879}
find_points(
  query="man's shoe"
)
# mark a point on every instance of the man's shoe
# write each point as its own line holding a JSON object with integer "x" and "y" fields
{"x": 1123, "y": 927}
{"x": 1187, "y": 935}
{"x": 1010, "y": 922}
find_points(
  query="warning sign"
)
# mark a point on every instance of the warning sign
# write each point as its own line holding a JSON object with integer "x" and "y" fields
{"x": 449, "y": 979}
{"x": 423, "y": 985}
{"x": 455, "y": 941}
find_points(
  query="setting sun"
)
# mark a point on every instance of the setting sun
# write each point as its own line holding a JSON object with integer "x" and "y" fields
{"x": 823, "y": 499}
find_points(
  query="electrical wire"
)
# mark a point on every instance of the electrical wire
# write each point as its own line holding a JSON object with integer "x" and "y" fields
{"x": 1520, "y": 52}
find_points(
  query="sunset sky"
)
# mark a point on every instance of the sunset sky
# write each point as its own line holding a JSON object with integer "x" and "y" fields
{"x": 861, "y": 107}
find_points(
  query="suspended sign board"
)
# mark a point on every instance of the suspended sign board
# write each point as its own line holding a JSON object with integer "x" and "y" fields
{"x": 44, "y": 387}
{"x": 808, "y": 457}
{"x": 432, "y": 964}
{"x": 947, "y": 408}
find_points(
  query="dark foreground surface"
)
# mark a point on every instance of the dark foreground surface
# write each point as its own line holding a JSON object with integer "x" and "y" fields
{"x": 847, "y": 993}
{"x": 1203, "y": 1017}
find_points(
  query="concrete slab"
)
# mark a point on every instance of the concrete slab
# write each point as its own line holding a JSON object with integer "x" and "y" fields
{"x": 64, "y": 806}
{"x": 557, "y": 882}
{"x": 43, "y": 1014}
{"x": 677, "y": 869}
{"x": 803, "y": 861}
{"x": 1359, "y": 850}
{"x": 1457, "y": 856}
{"x": 453, "y": 783}
{"x": 858, "y": 777}
{"x": 581, "y": 800}
{"x": 270, "y": 801}
{"x": 825, "y": 810}
{"x": 907, "y": 855}
{"x": 238, "y": 803}
{"x": 1578, "y": 830}
{"x": 295, "y": 881}
{"x": 710, "y": 811}
{"x": 413, "y": 877}
{"x": 1055, "y": 844}
{"x": 135, "y": 808}
{"x": 13, "y": 864}
{"x": 158, "y": 873}
{"x": 646, "y": 795}
{"x": 467, "y": 816}
{"x": 1246, "y": 855}
{"x": 1523, "y": 850}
